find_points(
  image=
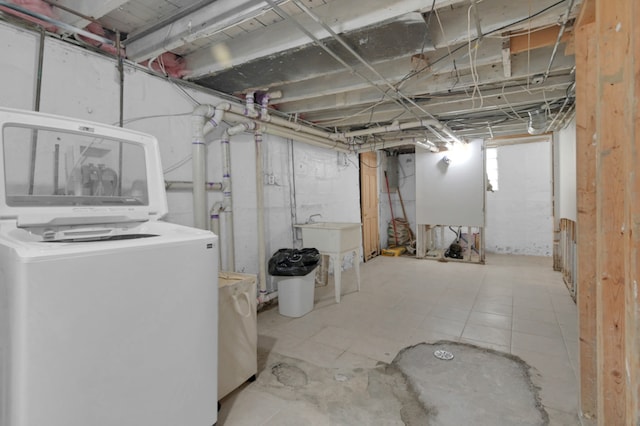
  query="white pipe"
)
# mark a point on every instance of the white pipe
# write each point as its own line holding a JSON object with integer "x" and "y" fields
{"x": 262, "y": 251}
{"x": 227, "y": 210}
{"x": 303, "y": 137}
{"x": 198, "y": 148}
{"x": 214, "y": 215}
{"x": 249, "y": 109}
{"x": 227, "y": 199}
{"x": 374, "y": 146}
{"x": 266, "y": 297}
{"x": 181, "y": 185}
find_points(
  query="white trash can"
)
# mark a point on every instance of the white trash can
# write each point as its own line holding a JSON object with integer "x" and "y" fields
{"x": 295, "y": 294}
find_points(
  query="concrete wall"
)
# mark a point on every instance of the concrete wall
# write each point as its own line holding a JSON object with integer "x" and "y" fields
{"x": 304, "y": 180}
{"x": 565, "y": 140}
{"x": 519, "y": 215}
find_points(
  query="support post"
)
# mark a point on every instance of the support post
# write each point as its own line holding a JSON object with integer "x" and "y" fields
{"x": 586, "y": 62}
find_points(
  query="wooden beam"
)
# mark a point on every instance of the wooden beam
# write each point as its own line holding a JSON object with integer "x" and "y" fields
{"x": 586, "y": 62}
{"x": 633, "y": 192}
{"x": 587, "y": 14}
{"x": 536, "y": 39}
{"x": 615, "y": 148}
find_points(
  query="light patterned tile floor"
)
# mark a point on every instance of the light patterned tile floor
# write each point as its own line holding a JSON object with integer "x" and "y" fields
{"x": 514, "y": 304}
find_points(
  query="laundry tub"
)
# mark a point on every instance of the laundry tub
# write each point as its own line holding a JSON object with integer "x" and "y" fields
{"x": 295, "y": 294}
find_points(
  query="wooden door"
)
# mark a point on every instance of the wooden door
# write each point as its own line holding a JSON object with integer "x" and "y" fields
{"x": 369, "y": 204}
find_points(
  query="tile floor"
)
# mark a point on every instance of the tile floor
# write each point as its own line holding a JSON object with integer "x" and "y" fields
{"x": 514, "y": 304}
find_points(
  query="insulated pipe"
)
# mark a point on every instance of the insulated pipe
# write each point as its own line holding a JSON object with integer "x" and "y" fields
{"x": 262, "y": 250}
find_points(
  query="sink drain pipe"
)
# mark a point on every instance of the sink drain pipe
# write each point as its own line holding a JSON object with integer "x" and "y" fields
{"x": 227, "y": 200}
{"x": 262, "y": 251}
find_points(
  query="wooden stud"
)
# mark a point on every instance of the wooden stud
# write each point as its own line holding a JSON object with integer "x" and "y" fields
{"x": 633, "y": 239}
{"x": 587, "y": 14}
{"x": 586, "y": 62}
{"x": 615, "y": 143}
{"x": 536, "y": 39}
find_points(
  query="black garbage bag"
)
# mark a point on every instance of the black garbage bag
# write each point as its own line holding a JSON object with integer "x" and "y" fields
{"x": 293, "y": 262}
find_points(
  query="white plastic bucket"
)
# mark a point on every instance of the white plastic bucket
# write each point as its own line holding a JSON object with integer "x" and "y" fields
{"x": 295, "y": 294}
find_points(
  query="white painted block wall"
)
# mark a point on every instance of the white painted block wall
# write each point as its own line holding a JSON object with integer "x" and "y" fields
{"x": 519, "y": 215}
{"x": 566, "y": 151}
{"x": 306, "y": 180}
{"x": 407, "y": 185}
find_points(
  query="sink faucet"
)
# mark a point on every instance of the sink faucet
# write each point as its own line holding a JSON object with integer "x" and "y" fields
{"x": 310, "y": 220}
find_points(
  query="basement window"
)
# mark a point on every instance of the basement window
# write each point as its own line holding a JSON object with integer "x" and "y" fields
{"x": 492, "y": 169}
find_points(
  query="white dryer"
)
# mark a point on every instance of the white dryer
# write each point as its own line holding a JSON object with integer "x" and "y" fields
{"x": 108, "y": 316}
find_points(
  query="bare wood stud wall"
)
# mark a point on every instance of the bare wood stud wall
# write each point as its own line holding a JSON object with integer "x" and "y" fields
{"x": 608, "y": 89}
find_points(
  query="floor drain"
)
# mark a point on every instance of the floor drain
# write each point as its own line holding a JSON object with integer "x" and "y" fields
{"x": 445, "y": 355}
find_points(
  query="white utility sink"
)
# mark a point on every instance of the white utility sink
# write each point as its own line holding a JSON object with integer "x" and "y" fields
{"x": 335, "y": 239}
{"x": 331, "y": 236}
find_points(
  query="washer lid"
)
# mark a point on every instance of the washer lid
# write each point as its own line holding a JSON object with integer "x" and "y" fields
{"x": 65, "y": 171}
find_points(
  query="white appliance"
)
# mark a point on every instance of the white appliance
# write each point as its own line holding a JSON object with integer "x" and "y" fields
{"x": 108, "y": 316}
{"x": 237, "y": 331}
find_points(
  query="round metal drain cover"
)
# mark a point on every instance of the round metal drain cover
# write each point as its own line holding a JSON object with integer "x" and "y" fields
{"x": 444, "y": 355}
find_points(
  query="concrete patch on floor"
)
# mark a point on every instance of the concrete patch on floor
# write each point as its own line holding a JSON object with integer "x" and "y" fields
{"x": 478, "y": 386}
{"x": 379, "y": 396}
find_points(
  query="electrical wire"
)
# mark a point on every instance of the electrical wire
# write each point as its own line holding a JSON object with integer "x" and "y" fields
{"x": 472, "y": 60}
{"x": 182, "y": 162}
{"x": 497, "y": 30}
{"x": 444, "y": 37}
{"x": 147, "y": 117}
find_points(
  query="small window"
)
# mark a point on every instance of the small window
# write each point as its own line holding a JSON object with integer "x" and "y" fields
{"x": 492, "y": 169}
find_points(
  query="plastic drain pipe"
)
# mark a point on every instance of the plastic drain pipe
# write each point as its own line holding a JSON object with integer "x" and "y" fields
{"x": 262, "y": 251}
{"x": 374, "y": 146}
{"x": 227, "y": 199}
{"x": 210, "y": 115}
{"x": 214, "y": 218}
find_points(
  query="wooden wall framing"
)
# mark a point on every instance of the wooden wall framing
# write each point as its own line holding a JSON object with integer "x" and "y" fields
{"x": 608, "y": 228}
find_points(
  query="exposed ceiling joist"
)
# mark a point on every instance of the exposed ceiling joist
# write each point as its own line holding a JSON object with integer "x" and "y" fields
{"x": 523, "y": 66}
{"x": 93, "y": 9}
{"x": 342, "y": 16}
{"x": 477, "y": 65}
{"x": 202, "y": 23}
{"x": 536, "y": 39}
{"x": 458, "y": 105}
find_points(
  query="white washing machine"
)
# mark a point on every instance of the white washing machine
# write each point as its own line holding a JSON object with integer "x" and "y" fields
{"x": 108, "y": 316}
